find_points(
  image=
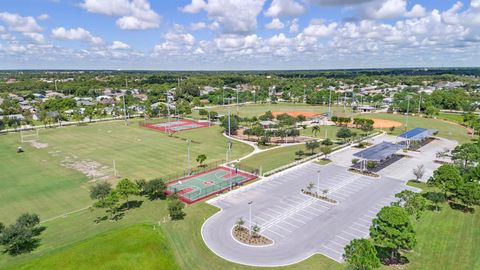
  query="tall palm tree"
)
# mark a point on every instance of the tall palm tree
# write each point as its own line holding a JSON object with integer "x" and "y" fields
{"x": 315, "y": 130}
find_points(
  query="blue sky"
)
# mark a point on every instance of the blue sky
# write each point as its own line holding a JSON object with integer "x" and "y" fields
{"x": 238, "y": 34}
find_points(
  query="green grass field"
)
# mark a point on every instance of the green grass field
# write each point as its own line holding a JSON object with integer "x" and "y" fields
{"x": 326, "y": 132}
{"x": 446, "y": 129}
{"x": 275, "y": 158}
{"x": 36, "y": 181}
{"x": 135, "y": 247}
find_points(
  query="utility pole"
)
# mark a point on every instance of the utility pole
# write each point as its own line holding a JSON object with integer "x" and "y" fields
{"x": 318, "y": 182}
{"x": 408, "y": 111}
{"x": 237, "y": 101}
{"x": 419, "y": 103}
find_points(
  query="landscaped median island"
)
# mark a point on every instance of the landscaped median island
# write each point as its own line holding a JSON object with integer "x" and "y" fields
{"x": 253, "y": 238}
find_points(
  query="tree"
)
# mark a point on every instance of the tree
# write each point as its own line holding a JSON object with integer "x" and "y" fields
{"x": 201, "y": 158}
{"x": 361, "y": 254}
{"x": 126, "y": 188}
{"x": 310, "y": 186}
{"x": 203, "y": 112}
{"x": 155, "y": 189}
{"x": 414, "y": 203}
{"x": 436, "y": 198}
{"x": 469, "y": 193}
{"x": 175, "y": 209}
{"x": 466, "y": 154}
{"x": 312, "y": 145}
{"x": 315, "y": 130}
{"x": 110, "y": 202}
{"x": 393, "y": 230}
{"x": 371, "y": 164}
{"x": 255, "y": 230}
{"x": 344, "y": 133}
{"x": 240, "y": 222}
{"x": 448, "y": 178}
{"x": 20, "y": 237}
{"x": 432, "y": 111}
{"x": 391, "y": 129}
{"x": 100, "y": 190}
{"x": 326, "y": 150}
{"x": 327, "y": 142}
{"x": 419, "y": 172}
{"x": 299, "y": 154}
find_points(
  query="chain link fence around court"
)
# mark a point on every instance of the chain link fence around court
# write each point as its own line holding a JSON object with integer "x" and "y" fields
{"x": 195, "y": 170}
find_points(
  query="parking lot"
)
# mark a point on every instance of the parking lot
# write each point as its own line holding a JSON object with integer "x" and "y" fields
{"x": 300, "y": 225}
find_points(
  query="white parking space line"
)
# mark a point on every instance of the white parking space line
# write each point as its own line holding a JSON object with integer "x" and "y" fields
{"x": 281, "y": 235}
{"x": 348, "y": 240}
{"x": 361, "y": 225}
{"x": 281, "y": 228}
{"x": 352, "y": 234}
{"x": 357, "y": 230}
{"x": 336, "y": 251}
{"x": 366, "y": 220}
{"x": 338, "y": 244}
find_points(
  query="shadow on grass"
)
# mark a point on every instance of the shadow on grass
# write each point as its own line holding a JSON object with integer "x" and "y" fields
{"x": 130, "y": 205}
{"x": 461, "y": 207}
{"x": 390, "y": 257}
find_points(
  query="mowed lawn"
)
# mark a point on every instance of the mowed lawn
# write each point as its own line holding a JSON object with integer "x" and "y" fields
{"x": 327, "y": 132}
{"x": 274, "y": 158}
{"x": 258, "y": 109}
{"x": 35, "y": 181}
{"x": 446, "y": 129}
{"x": 136, "y": 247}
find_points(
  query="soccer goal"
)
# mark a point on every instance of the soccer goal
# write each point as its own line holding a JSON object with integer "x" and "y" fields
{"x": 29, "y": 135}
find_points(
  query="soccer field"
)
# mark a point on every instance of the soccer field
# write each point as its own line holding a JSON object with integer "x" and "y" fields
{"x": 53, "y": 180}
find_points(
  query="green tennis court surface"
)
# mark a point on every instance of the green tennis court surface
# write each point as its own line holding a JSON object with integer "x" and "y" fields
{"x": 200, "y": 186}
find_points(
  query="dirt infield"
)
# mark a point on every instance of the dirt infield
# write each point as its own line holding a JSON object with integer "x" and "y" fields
{"x": 296, "y": 113}
{"x": 383, "y": 123}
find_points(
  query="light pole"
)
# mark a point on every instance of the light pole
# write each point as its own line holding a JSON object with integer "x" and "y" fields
{"x": 420, "y": 103}
{"x": 408, "y": 111}
{"x": 188, "y": 155}
{"x": 330, "y": 104}
{"x": 237, "y": 101}
{"x": 250, "y": 216}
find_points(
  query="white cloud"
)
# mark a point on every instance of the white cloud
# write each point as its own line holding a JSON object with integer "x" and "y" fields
{"x": 294, "y": 27}
{"x": 317, "y": 28}
{"x": 38, "y": 38}
{"x": 475, "y": 3}
{"x": 18, "y": 23}
{"x": 275, "y": 24}
{"x": 194, "y": 7}
{"x": 280, "y": 8}
{"x": 134, "y": 14}
{"x": 233, "y": 16}
{"x": 198, "y": 26}
{"x": 118, "y": 45}
{"x": 43, "y": 17}
{"x": 79, "y": 34}
{"x": 175, "y": 42}
{"x": 338, "y": 2}
{"x": 279, "y": 40}
{"x": 389, "y": 9}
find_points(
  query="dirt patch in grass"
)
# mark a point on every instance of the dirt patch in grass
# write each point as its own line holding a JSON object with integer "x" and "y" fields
{"x": 38, "y": 145}
{"x": 296, "y": 113}
{"x": 242, "y": 235}
{"x": 92, "y": 169}
{"x": 384, "y": 123}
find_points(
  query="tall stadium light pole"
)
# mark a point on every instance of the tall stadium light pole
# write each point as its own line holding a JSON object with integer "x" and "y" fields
{"x": 255, "y": 96}
{"x": 420, "y": 103}
{"x": 124, "y": 109}
{"x": 408, "y": 111}
{"x": 188, "y": 155}
{"x": 330, "y": 104}
{"x": 305, "y": 95}
{"x": 250, "y": 216}
{"x": 345, "y": 104}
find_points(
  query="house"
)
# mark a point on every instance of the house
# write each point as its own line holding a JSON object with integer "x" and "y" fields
{"x": 15, "y": 116}
{"x": 268, "y": 124}
{"x": 84, "y": 101}
{"x": 38, "y": 96}
{"x": 53, "y": 94}
{"x": 207, "y": 89}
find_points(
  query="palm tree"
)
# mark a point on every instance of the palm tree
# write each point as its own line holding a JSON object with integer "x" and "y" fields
{"x": 310, "y": 186}
{"x": 255, "y": 230}
{"x": 240, "y": 222}
{"x": 315, "y": 130}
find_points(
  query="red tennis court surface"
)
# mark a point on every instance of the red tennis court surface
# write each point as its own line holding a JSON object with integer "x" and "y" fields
{"x": 176, "y": 125}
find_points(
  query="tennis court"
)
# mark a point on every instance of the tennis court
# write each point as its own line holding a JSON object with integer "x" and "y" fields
{"x": 200, "y": 186}
{"x": 176, "y": 126}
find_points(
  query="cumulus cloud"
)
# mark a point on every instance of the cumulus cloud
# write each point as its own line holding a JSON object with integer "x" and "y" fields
{"x": 275, "y": 24}
{"x": 175, "y": 42}
{"x": 198, "y": 26}
{"x": 294, "y": 27}
{"x": 134, "y": 14}
{"x": 233, "y": 16}
{"x": 389, "y": 9}
{"x": 317, "y": 28}
{"x": 18, "y": 23}
{"x": 338, "y": 2}
{"x": 280, "y": 8}
{"x": 79, "y": 34}
{"x": 36, "y": 37}
{"x": 118, "y": 45}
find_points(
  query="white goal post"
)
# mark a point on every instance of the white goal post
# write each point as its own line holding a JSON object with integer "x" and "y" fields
{"x": 29, "y": 135}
